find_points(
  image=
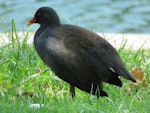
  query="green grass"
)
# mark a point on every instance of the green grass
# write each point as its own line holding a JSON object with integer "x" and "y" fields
{"x": 25, "y": 79}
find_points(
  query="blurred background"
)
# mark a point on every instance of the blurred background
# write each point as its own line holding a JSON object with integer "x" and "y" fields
{"x": 108, "y": 16}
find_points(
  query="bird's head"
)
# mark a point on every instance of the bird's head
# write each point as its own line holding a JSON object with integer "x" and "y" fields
{"x": 45, "y": 16}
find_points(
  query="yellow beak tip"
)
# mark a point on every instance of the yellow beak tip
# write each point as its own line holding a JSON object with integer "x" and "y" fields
{"x": 29, "y": 23}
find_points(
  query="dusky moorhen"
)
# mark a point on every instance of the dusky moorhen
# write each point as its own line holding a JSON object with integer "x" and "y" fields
{"x": 76, "y": 55}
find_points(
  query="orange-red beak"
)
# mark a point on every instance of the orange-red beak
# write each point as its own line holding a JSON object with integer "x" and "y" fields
{"x": 31, "y": 21}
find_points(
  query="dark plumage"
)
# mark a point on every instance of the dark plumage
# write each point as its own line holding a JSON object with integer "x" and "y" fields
{"x": 76, "y": 55}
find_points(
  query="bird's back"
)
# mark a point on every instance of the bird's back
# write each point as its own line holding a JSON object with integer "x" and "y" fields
{"x": 79, "y": 56}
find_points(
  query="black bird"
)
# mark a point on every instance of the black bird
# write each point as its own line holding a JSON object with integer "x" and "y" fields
{"x": 76, "y": 55}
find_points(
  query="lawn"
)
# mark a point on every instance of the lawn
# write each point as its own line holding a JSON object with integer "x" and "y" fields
{"x": 26, "y": 80}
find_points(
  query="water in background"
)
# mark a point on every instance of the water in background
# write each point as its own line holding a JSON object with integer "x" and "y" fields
{"x": 112, "y": 16}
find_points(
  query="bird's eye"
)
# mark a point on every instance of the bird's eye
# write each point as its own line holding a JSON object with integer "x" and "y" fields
{"x": 38, "y": 14}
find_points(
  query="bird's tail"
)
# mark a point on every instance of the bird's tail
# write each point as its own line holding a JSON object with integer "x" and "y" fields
{"x": 125, "y": 73}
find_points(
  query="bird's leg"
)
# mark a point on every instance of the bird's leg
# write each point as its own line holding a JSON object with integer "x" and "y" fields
{"x": 72, "y": 91}
{"x": 100, "y": 91}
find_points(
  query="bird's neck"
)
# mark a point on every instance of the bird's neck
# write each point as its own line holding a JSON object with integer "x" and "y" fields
{"x": 50, "y": 23}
